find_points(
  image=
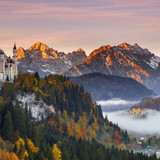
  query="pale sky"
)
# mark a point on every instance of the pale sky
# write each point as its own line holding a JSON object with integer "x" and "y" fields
{"x": 67, "y": 25}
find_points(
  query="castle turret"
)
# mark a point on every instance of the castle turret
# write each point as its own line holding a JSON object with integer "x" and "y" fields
{"x": 15, "y": 51}
{"x": 2, "y": 65}
{"x": 15, "y": 71}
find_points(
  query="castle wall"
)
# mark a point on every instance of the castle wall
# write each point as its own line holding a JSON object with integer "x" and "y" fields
{"x": 2, "y": 67}
{"x": 8, "y": 68}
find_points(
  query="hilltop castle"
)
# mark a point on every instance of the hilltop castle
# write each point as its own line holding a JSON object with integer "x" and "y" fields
{"x": 8, "y": 66}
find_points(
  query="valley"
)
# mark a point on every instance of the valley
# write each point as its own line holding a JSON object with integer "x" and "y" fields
{"x": 79, "y": 80}
{"x": 93, "y": 106}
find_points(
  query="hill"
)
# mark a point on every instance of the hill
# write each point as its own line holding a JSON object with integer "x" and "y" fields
{"x": 75, "y": 129}
{"x": 104, "y": 87}
{"x": 150, "y": 103}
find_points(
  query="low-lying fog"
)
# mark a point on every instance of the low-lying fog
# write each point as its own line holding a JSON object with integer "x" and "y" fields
{"x": 150, "y": 125}
{"x": 116, "y": 104}
{"x": 116, "y": 110}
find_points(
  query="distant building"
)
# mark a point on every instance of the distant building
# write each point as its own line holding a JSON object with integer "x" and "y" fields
{"x": 158, "y": 154}
{"x": 135, "y": 111}
{"x": 8, "y": 65}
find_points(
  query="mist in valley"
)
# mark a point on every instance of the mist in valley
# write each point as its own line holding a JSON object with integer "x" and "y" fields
{"x": 149, "y": 126}
{"x": 117, "y": 112}
{"x": 116, "y": 104}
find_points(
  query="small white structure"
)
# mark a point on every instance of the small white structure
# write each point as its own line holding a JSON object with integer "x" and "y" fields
{"x": 158, "y": 154}
{"x": 8, "y": 66}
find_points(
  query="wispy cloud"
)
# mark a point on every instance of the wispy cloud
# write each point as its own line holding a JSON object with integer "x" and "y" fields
{"x": 113, "y": 21}
{"x": 61, "y": 9}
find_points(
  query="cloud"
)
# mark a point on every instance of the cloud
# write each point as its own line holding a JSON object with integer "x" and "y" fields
{"x": 99, "y": 22}
{"x": 62, "y": 9}
{"x": 149, "y": 125}
{"x": 116, "y": 104}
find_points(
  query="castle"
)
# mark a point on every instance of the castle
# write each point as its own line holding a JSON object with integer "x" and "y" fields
{"x": 8, "y": 66}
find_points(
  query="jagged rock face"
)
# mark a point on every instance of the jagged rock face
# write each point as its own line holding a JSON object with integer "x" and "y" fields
{"x": 38, "y": 109}
{"x": 39, "y": 57}
{"x": 123, "y": 60}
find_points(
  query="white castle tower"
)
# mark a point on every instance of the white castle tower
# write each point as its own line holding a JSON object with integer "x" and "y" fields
{"x": 2, "y": 65}
{"x": 8, "y": 66}
{"x": 15, "y": 70}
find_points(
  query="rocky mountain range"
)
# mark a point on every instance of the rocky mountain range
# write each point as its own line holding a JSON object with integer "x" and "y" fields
{"x": 104, "y": 87}
{"x": 123, "y": 60}
{"x": 40, "y": 58}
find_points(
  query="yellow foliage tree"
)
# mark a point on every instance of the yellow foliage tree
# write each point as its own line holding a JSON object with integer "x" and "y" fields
{"x": 25, "y": 154}
{"x": 32, "y": 147}
{"x": 70, "y": 131}
{"x": 93, "y": 134}
{"x": 56, "y": 152}
{"x": 82, "y": 121}
{"x": 13, "y": 156}
{"x": 76, "y": 127}
{"x": 78, "y": 134}
{"x": 19, "y": 142}
{"x": 65, "y": 116}
{"x": 4, "y": 155}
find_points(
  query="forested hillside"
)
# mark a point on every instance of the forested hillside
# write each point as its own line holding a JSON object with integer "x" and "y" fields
{"x": 75, "y": 131}
{"x": 104, "y": 87}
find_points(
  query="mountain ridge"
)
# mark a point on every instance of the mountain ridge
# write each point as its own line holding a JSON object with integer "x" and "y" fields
{"x": 40, "y": 58}
{"x": 123, "y": 60}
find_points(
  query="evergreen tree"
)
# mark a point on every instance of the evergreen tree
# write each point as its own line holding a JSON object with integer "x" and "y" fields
{"x": 20, "y": 121}
{"x": 37, "y": 76}
{"x": 65, "y": 154}
{"x": 7, "y": 127}
{"x": 33, "y": 133}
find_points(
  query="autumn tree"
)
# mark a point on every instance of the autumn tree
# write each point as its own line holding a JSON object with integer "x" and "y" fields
{"x": 56, "y": 153}
{"x": 32, "y": 147}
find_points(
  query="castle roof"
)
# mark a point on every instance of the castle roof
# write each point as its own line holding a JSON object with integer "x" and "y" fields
{"x": 1, "y": 51}
{"x": 15, "y": 48}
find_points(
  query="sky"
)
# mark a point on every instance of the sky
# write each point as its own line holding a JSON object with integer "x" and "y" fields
{"x": 67, "y": 25}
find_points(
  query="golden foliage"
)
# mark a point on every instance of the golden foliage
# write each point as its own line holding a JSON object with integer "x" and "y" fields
{"x": 65, "y": 113}
{"x": 19, "y": 142}
{"x": 25, "y": 154}
{"x": 56, "y": 152}
{"x": 93, "y": 133}
{"x": 78, "y": 134}
{"x": 70, "y": 131}
{"x": 32, "y": 146}
{"x": 4, "y": 155}
{"x": 91, "y": 112}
